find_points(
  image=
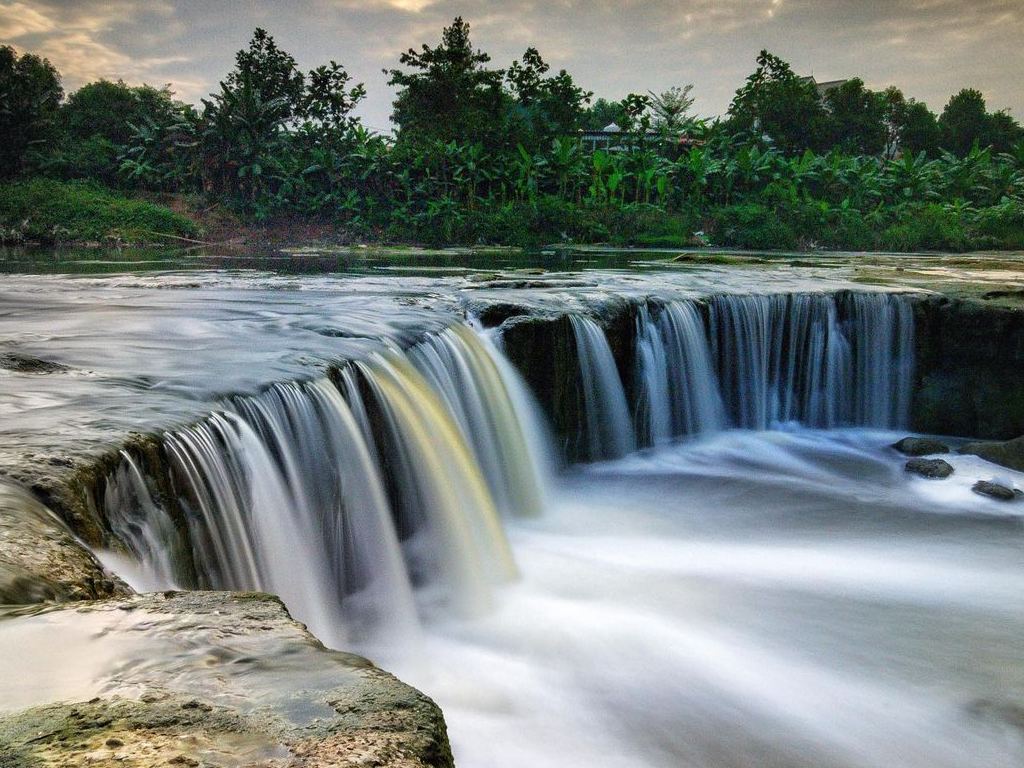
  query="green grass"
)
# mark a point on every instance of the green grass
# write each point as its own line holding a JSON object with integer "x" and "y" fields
{"x": 48, "y": 211}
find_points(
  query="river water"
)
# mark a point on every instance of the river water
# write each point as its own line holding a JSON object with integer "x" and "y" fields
{"x": 748, "y": 599}
{"x": 746, "y": 577}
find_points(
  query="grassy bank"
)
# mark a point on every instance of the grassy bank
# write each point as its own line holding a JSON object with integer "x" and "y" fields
{"x": 50, "y": 212}
{"x": 47, "y": 211}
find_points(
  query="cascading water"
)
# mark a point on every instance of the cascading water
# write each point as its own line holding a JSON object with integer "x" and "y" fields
{"x": 287, "y": 491}
{"x": 677, "y": 389}
{"x": 676, "y": 607}
{"x": 817, "y": 359}
{"x": 607, "y": 424}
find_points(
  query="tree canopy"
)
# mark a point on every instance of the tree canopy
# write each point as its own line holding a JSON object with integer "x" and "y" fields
{"x": 777, "y": 104}
{"x": 30, "y": 96}
{"x": 448, "y": 92}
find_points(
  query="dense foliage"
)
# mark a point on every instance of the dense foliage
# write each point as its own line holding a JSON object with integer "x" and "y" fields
{"x": 485, "y": 154}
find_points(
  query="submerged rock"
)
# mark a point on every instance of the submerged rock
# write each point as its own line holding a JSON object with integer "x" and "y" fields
{"x": 995, "y": 491}
{"x": 1008, "y": 454}
{"x": 200, "y": 678}
{"x": 933, "y": 469}
{"x": 920, "y": 446}
{"x": 40, "y": 560}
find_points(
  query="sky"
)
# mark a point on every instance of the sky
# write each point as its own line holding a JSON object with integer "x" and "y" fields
{"x": 929, "y": 48}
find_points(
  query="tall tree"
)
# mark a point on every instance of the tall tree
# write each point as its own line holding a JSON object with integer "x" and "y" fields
{"x": 911, "y": 127}
{"x": 269, "y": 71}
{"x": 545, "y": 107}
{"x": 447, "y": 92}
{"x": 776, "y": 104}
{"x": 30, "y": 95}
{"x": 671, "y": 110}
{"x": 966, "y": 120}
{"x": 856, "y": 118}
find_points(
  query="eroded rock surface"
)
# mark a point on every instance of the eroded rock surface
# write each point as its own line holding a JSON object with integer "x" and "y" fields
{"x": 920, "y": 446}
{"x": 1007, "y": 454}
{"x": 995, "y": 491}
{"x": 933, "y": 469}
{"x": 40, "y": 560}
{"x": 200, "y": 679}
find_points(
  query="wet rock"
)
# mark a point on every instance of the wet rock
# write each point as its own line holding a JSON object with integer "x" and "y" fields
{"x": 40, "y": 560}
{"x": 995, "y": 491}
{"x": 920, "y": 446}
{"x": 19, "y": 363}
{"x": 969, "y": 368}
{"x": 933, "y": 469}
{"x": 1008, "y": 454}
{"x": 202, "y": 678}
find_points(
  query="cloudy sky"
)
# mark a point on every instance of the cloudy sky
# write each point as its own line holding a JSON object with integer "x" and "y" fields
{"x": 930, "y": 48}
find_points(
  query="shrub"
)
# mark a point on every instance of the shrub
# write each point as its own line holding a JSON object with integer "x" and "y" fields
{"x": 1002, "y": 225}
{"x": 926, "y": 228}
{"x": 752, "y": 225}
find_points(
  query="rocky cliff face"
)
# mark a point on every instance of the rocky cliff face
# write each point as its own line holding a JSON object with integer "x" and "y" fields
{"x": 969, "y": 369}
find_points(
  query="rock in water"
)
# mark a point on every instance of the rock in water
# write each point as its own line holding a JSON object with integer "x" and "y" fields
{"x": 933, "y": 469}
{"x": 920, "y": 446}
{"x": 200, "y": 675}
{"x": 995, "y": 491}
{"x": 1006, "y": 454}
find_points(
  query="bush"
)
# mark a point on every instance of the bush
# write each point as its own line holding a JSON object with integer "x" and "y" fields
{"x": 1001, "y": 225}
{"x": 926, "y": 228}
{"x": 752, "y": 225}
{"x": 43, "y": 210}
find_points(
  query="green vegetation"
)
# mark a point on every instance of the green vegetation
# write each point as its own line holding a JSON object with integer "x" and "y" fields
{"x": 482, "y": 154}
{"x": 49, "y": 211}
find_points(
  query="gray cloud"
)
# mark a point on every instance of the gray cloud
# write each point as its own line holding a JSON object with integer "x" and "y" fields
{"x": 930, "y": 48}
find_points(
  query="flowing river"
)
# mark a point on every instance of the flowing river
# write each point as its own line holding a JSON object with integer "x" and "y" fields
{"x": 735, "y": 572}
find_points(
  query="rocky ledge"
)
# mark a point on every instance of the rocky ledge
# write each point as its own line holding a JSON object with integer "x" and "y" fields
{"x": 200, "y": 679}
{"x": 40, "y": 560}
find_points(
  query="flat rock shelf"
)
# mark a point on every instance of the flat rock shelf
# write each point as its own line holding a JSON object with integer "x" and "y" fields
{"x": 201, "y": 678}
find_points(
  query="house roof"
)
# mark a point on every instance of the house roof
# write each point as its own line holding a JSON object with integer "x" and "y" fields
{"x": 825, "y": 86}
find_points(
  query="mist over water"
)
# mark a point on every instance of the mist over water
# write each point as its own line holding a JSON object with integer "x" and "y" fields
{"x": 763, "y": 586}
{"x": 748, "y": 599}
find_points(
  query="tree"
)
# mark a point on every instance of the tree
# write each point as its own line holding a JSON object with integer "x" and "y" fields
{"x": 545, "y": 107}
{"x": 448, "y": 93}
{"x": 671, "y": 110}
{"x": 30, "y": 95}
{"x": 329, "y": 99}
{"x": 966, "y": 121}
{"x": 1004, "y": 133}
{"x": 856, "y": 119}
{"x": 109, "y": 110}
{"x": 603, "y": 113}
{"x": 268, "y": 70}
{"x": 100, "y": 120}
{"x": 911, "y": 127}
{"x": 776, "y": 104}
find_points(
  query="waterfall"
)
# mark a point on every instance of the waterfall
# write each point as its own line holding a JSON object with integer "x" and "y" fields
{"x": 358, "y": 500}
{"x": 818, "y": 359}
{"x": 368, "y": 496}
{"x": 677, "y": 389}
{"x": 607, "y": 424}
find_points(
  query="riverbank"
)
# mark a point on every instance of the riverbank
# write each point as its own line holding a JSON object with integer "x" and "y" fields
{"x": 43, "y": 211}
